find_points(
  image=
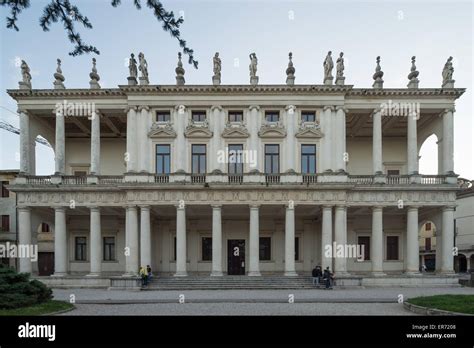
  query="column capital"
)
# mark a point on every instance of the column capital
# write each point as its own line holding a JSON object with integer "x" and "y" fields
{"x": 290, "y": 206}
{"x": 413, "y": 207}
{"x": 144, "y": 206}
{"x": 143, "y": 107}
{"x": 130, "y": 107}
{"x": 24, "y": 209}
{"x": 180, "y": 107}
{"x": 376, "y": 110}
{"x": 329, "y": 107}
{"x": 327, "y": 206}
{"x": 131, "y": 207}
{"x": 216, "y": 107}
{"x": 216, "y": 206}
{"x": 449, "y": 207}
{"x": 290, "y": 107}
{"x": 254, "y": 206}
{"x": 180, "y": 206}
{"x": 341, "y": 108}
{"x": 22, "y": 110}
{"x": 450, "y": 109}
{"x": 256, "y": 107}
{"x": 378, "y": 208}
{"x": 341, "y": 207}
{"x": 60, "y": 209}
{"x": 94, "y": 208}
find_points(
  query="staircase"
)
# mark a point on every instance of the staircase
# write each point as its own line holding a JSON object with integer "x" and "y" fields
{"x": 231, "y": 283}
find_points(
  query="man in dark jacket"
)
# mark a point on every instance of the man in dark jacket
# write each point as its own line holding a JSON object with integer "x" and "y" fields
{"x": 317, "y": 274}
{"x": 327, "y": 276}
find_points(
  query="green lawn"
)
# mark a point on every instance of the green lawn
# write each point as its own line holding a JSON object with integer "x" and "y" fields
{"x": 39, "y": 309}
{"x": 453, "y": 303}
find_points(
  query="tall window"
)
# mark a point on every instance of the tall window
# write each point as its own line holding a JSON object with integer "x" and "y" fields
{"x": 297, "y": 248}
{"x": 81, "y": 249}
{"x": 428, "y": 243}
{"x": 265, "y": 246}
{"x": 198, "y": 161}
{"x": 236, "y": 165}
{"x": 206, "y": 248}
{"x": 392, "y": 247}
{"x": 272, "y": 116}
{"x": 45, "y": 227}
{"x": 109, "y": 249}
{"x": 428, "y": 226}
{"x": 162, "y": 116}
{"x": 308, "y": 159}
{"x": 6, "y": 223}
{"x": 5, "y": 192}
{"x": 163, "y": 159}
{"x": 272, "y": 159}
{"x": 199, "y": 116}
{"x": 364, "y": 241}
{"x": 236, "y": 116}
{"x": 308, "y": 116}
{"x": 175, "y": 249}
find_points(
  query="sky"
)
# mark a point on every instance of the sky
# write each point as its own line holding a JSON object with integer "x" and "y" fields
{"x": 395, "y": 30}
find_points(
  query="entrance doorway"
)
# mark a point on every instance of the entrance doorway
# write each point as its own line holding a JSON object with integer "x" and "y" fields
{"x": 45, "y": 264}
{"x": 236, "y": 256}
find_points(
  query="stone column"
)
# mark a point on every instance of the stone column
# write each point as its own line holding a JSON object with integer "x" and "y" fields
{"x": 180, "y": 116}
{"x": 60, "y": 242}
{"x": 145, "y": 236}
{"x": 60, "y": 147}
{"x": 216, "y": 240}
{"x": 448, "y": 142}
{"x": 328, "y": 140}
{"x": 24, "y": 237}
{"x": 290, "y": 269}
{"x": 95, "y": 143}
{"x": 326, "y": 236}
{"x": 253, "y": 122}
{"x": 377, "y": 142}
{"x": 132, "y": 163}
{"x": 290, "y": 112}
{"x": 142, "y": 131}
{"x": 131, "y": 242}
{"x": 95, "y": 242}
{"x": 412, "y": 146}
{"x": 413, "y": 248}
{"x": 25, "y": 142}
{"x": 340, "y": 139}
{"x": 181, "y": 254}
{"x": 439, "y": 250}
{"x": 377, "y": 241}
{"x": 340, "y": 236}
{"x": 447, "y": 243}
{"x": 254, "y": 242}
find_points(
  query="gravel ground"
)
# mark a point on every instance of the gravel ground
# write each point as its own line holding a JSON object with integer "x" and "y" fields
{"x": 242, "y": 309}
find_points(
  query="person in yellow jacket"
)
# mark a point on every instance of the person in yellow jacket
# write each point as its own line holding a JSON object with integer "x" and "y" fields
{"x": 144, "y": 275}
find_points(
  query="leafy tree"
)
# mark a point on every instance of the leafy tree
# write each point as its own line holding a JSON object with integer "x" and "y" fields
{"x": 68, "y": 14}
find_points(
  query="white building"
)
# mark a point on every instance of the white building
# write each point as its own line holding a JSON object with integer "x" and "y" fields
{"x": 143, "y": 180}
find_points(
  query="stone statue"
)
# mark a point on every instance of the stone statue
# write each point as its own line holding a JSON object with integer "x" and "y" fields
{"x": 340, "y": 69}
{"x": 26, "y": 76}
{"x": 143, "y": 65}
{"x": 448, "y": 71}
{"x": 378, "y": 82}
{"x": 180, "y": 72}
{"x": 217, "y": 66}
{"x": 328, "y": 65}
{"x": 59, "y": 78}
{"x": 413, "y": 75}
{"x": 253, "y": 68}
{"x": 290, "y": 71}
{"x": 132, "y": 66}
{"x": 94, "y": 82}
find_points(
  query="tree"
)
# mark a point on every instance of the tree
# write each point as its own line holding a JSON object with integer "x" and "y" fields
{"x": 69, "y": 14}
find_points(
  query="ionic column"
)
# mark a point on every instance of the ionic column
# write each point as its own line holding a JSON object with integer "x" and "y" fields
{"x": 377, "y": 142}
{"x": 340, "y": 138}
{"x": 439, "y": 250}
{"x": 131, "y": 241}
{"x": 326, "y": 236}
{"x": 253, "y": 122}
{"x": 328, "y": 140}
{"x": 25, "y": 142}
{"x": 95, "y": 242}
{"x": 254, "y": 267}
{"x": 412, "y": 146}
{"x": 181, "y": 254}
{"x": 448, "y": 141}
{"x": 132, "y": 160}
{"x": 180, "y": 116}
{"x": 340, "y": 236}
{"x": 413, "y": 248}
{"x": 216, "y": 240}
{"x": 142, "y": 130}
{"x": 377, "y": 241}
{"x": 447, "y": 244}
{"x": 290, "y": 112}
{"x": 24, "y": 237}
{"x": 60, "y": 242}
{"x": 290, "y": 241}
{"x": 145, "y": 236}
{"x": 95, "y": 143}
{"x": 60, "y": 146}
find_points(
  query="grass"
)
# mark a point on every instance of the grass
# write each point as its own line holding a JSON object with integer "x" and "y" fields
{"x": 39, "y": 309}
{"x": 453, "y": 303}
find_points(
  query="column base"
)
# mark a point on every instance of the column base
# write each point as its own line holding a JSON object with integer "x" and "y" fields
{"x": 253, "y": 274}
{"x": 412, "y": 273}
{"x": 180, "y": 274}
{"x": 217, "y": 274}
{"x": 93, "y": 275}
{"x": 59, "y": 274}
{"x": 378, "y": 274}
{"x": 290, "y": 274}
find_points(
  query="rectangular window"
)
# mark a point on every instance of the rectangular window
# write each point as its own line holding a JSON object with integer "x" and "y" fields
{"x": 393, "y": 172}
{"x": 45, "y": 227}
{"x": 109, "y": 249}
{"x": 198, "y": 161}
{"x": 236, "y": 116}
{"x": 81, "y": 249}
{"x": 236, "y": 165}
{"x": 392, "y": 247}
{"x": 206, "y": 248}
{"x": 162, "y": 116}
{"x": 80, "y": 173}
{"x": 297, "y": 248}
{"x": 272, "y": 116}
{"x": 6, "y": 223}
{"x": 308, "y": 159}
{"x": 163, "y": 159}
{"x": 272, "y": 159}
{"x": 427, "y": 244}
{"x": 364, "y": 242}
{"x": 308, "y": 116}
{"x": 5, "y": 192}
{"x": 428, "y": 226}
{"x": 198, "y": 116}
{"x": 265, "y": 246}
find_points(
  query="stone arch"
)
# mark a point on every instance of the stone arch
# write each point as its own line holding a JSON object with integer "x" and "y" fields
{"x": 427, "y": 237}
{"x": 429, "y": 155}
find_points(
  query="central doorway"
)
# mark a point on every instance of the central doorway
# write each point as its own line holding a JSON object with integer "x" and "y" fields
{"x": 236, "y": 257}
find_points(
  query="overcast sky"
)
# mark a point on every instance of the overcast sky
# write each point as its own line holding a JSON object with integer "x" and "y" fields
{"x": 395, "y": 30}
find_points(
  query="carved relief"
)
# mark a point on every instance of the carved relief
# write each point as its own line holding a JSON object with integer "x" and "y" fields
{"x": 162, "y": 130}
